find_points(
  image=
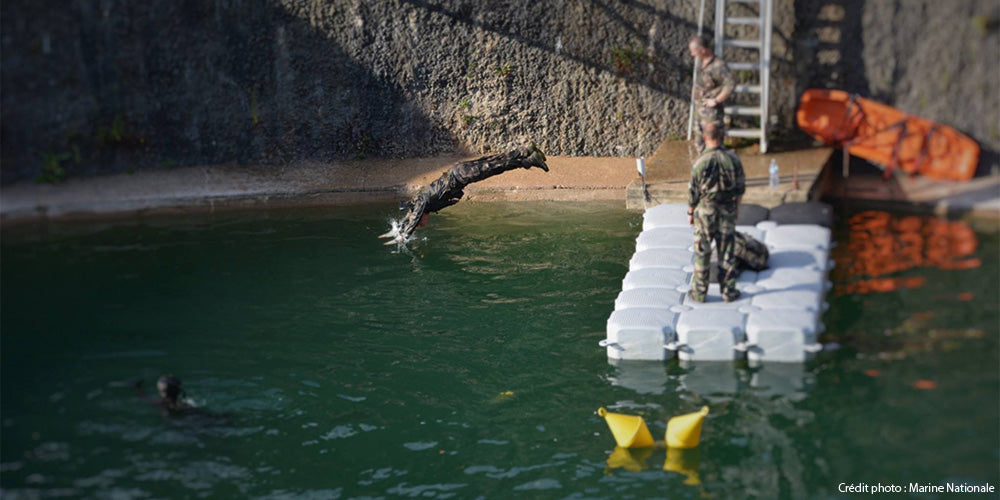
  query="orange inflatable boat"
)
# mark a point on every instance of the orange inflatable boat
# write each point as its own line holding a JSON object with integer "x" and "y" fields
{"x": 887, "y": 136}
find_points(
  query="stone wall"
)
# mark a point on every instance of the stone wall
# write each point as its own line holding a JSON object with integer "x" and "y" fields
{"x": 929, "y": 58}
{"x": 103, "y": 85}
{"x": 106, "y": 85}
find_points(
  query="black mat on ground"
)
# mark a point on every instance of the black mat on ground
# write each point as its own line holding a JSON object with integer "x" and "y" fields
{"x": 802, "y": 212}
{"x": 751, "y": 214}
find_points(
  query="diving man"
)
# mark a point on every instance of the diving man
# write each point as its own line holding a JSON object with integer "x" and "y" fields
{"x": 448, "y": 189}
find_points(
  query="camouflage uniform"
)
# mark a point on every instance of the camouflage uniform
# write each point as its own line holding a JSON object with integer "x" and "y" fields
{"x": 713, "y": 80}
{"x": 717, "y": 183}
{"x": 750, "y": 253}
{"x": 449, "y": 188}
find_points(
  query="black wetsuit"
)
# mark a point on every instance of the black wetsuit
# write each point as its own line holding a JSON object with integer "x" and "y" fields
{"x": 449, "y": 188}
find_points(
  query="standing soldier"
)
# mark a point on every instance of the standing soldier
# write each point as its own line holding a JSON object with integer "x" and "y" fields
{"x": 712, "y": 87}
{"x": 717, "y": 185}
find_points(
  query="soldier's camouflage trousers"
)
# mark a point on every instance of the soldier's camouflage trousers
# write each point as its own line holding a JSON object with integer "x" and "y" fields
{"x": 714, "y": 222}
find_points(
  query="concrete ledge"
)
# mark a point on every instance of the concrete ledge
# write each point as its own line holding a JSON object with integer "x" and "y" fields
{"x": 310, "y": 183}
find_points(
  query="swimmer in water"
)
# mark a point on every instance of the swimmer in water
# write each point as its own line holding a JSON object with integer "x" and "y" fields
{"x": 448, "y": 189}
{"x": 171, "y": 393}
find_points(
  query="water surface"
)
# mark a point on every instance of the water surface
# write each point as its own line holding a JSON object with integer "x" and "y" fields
{"x": 468, "y": 367}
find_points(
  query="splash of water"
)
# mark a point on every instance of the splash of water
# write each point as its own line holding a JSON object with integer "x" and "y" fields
{"x": 395, "y": 237}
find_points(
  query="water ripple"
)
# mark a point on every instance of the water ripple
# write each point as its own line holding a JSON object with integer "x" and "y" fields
{"x": 420, "y": 445}
{"x": 424, "y": 490}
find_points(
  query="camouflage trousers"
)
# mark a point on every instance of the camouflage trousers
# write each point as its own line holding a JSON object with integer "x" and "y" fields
{"x": 714, "y": 222}
{"x": 750, "y": 253}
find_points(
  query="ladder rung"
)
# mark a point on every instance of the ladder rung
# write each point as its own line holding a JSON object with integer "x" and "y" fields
{"x": 743, "y": 44}
{"x": 743, "y": 20}
{"x": 743, "y": 110}
{"x": 744, "y": 132}
{"x": 752, "y": 89}
{"x": 739, "y": 66}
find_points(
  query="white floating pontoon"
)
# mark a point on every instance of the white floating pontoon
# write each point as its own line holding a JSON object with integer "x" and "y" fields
{"x": 777, "y": 318}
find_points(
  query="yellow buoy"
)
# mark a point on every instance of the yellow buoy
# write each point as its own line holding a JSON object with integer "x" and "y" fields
{"x": 684, "y": 431}
{"x": 633, "y": 460}
{"x": 630, "y": 431}
{"x": 685, "y": 462}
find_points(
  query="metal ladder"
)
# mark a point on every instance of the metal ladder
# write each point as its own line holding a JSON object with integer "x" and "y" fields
{"x": 762, "y": 44}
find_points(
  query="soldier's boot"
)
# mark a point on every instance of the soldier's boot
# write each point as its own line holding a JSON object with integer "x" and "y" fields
{"x": 695, "y": 296}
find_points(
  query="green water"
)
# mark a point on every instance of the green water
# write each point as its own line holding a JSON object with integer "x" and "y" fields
{"x": 468, "y": 368}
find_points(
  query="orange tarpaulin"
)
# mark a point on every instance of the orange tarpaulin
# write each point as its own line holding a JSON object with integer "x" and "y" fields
{"x": 887, "y": 136}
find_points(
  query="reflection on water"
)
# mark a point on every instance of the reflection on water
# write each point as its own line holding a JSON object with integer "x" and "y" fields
{"x": 880, "y": 245}
{"x": 713, "y": 381}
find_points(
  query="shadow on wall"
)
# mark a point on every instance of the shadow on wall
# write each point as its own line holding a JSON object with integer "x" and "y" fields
{"x": 830, "y": 45}
{"x": 642, "y": 64}
{"x": 99, "y": 87}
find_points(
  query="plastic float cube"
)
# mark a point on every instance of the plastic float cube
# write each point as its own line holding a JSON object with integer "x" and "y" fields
{"x": 707, "y": 334}
{"x": 746, "y": 278}
{"x": 666, "y": 237}
{"x": 673, "y": 258}
{"x": 665, "y": 215}
{"x": 792, "y": 278}
{"x": 655, "y": 277}
{"x": 798, "y": 235}
{"x": 640, "y": 333}
{"x": 803, "y": 257}
{"x": 803, "y": 300}
{"x": 766, "y": 226}
{"x": 751, "y": 231}
{"x": 782, "y": 335}
{"x": 662, "y": 298}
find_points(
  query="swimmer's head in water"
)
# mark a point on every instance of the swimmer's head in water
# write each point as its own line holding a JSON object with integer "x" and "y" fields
{"x": 169, "y": 387}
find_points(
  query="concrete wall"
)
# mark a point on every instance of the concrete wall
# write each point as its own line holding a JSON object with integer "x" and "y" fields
{"x": 110, "y": 85}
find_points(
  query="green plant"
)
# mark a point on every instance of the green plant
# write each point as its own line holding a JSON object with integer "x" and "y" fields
{"x": 112, "y": 134}
{"x": 465, "y": 104}
{"x": 626, "y": 59}
{"x": 468, "y": 119}
{"x": 503, "y": 70}
{"x": 52, "y": 170}
{"x": 984, "y": 24}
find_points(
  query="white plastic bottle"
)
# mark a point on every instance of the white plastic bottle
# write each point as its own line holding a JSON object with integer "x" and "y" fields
{"x": 773, "y": 181}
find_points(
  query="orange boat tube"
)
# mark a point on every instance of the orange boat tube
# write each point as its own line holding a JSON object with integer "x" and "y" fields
{"x": 887, "y": 136}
